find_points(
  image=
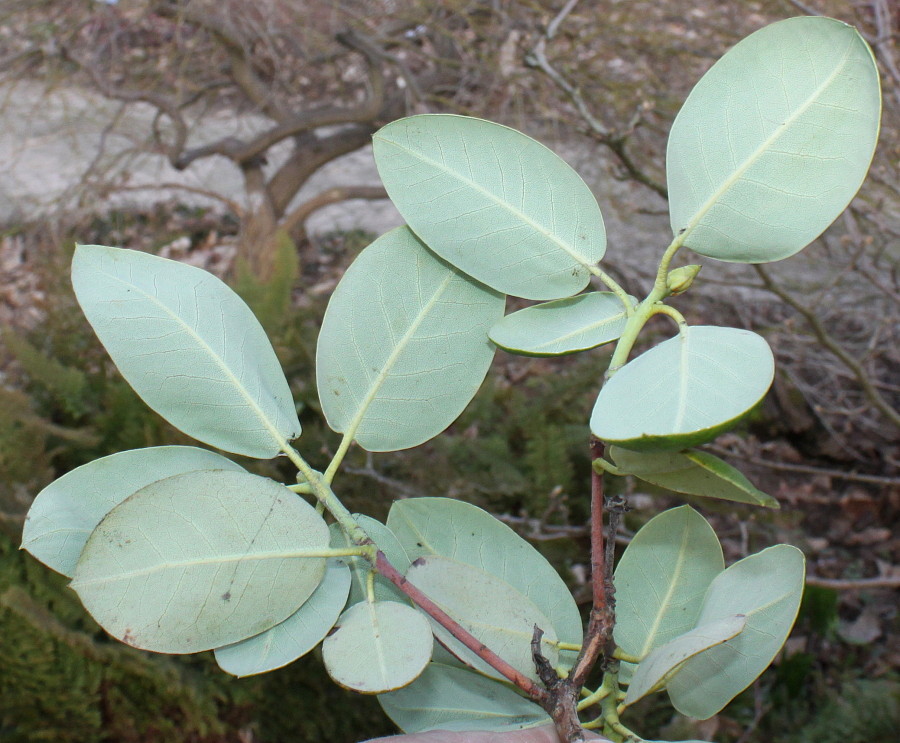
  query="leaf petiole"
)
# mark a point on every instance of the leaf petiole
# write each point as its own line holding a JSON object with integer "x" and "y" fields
{"x": 614, "y": 287}
{"x": 664, "y": 309}
{"x": 620, "y": 654}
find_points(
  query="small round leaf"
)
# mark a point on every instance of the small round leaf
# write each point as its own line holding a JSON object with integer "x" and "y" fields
{"x": 685, "y": 391}
{"x": 378, "y": 646}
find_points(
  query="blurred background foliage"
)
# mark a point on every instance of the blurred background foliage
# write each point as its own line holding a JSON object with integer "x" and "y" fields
{"x": 602, "y": 84}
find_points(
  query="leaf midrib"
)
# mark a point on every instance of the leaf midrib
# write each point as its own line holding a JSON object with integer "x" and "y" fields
{"x": 582, "y": 260}
{"x": 762, "y": 149}
{"x": 584, "y": 329}
{"x": 676, "y": 573}
{"x": 218, "y": 360}
{"x": 321, "y": 552}
{"x": 404, "y": 341}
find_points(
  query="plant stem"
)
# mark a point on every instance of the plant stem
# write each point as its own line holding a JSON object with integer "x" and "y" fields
{"x": 603, "y": 465}
{"x": 384, "y": 567}
{"x": 598, "y": 696}
{"x": 651, "y": 305}
{"x": 323, "y": 492}
{"x": 620, "y": 654}
{"x": 339, "y": 455}
{"x": 597, "y": 552}
{"x": 664, "y": 309}
{"x": 614, "y": 287}
{"x": 600, "y": 624}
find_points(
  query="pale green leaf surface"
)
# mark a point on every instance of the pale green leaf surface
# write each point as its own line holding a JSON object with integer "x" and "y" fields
{"x": 774, "y": 141}
{"x": 693, "y": 472}
{"x": 463, "y": 532}
{"x": 663, "y": 661}
{"x": 646, "y": 463}
{"x": 378, "y": 646}
{"x": 685, "y": 391}
{"x": 359, "y": 567}
{"x": 404, "y": 344}
{"x": 190, "y": 348}
{"x": 449, "y": 698}
{"x": 766, "y": 587}
{"x": 295, "y": 636}
{"x": 201, "y": 560}
{"x": 562, "y": 326}
{"x": 488, "y": 608}
{"x": 65, "y": 513}
{"x": 662, "y": 578}
{"x": 493, "y": 202}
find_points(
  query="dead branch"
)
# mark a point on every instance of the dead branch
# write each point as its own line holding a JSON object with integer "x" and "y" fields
{"x": 827, "y": 341}
{"x": 858, "y": 584}
{"x": 614, "y": 139}
{"x": 298, "y": 216}
{"x": 808, "y": 469}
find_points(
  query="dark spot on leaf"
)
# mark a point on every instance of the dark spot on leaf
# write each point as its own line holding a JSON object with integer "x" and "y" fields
{"x": 418, "y": 561}
{"x": 127, "y": 637}
{"x": 226, "y": 596}
{"x": 418, "y": 544}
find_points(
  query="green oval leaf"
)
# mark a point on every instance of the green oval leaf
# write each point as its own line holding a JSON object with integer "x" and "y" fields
{"x": 651, "y": 673}
{"x": 449, "y": 698}
{"x": 562, "y": 326}
{"x": 493, "y": 202}
{"x": 64, "y": 514}
{"x": 360, "y": 567}
{"x": 766, "y": 587}
{"x": 693, "y": 472}
{"x": 190, "y": 348}
{"x": 295, "y": 636}
{"x": 488, "y": 608}
{"x": 463, "y": 532}
{"x": 378, "y": 646}
{"x": 403, "y": 346}
{"x": 685, "y": 391}
{"x": 774, "y": 141}
{"x": 201, "y": 560}
{"x": 662, "y": 577}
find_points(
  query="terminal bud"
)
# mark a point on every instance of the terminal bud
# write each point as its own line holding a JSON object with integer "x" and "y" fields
{"x": 680, "y": 279}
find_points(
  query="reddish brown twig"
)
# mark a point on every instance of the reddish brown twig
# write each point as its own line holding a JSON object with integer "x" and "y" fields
{"x": 384, "y": 567}
{"x": 598, "y": 638}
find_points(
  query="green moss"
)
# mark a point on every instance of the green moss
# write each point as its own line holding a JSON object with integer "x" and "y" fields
{"x": 861, "y": 711}
{"x": 64, "y": 681}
